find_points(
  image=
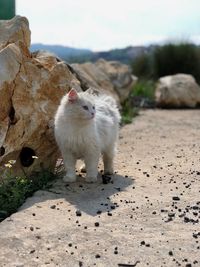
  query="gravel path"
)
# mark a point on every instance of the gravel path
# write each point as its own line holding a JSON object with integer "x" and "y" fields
{"x": 148, "y": 216}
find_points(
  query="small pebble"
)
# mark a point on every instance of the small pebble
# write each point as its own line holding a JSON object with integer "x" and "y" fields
{"x": 78, "y": 213}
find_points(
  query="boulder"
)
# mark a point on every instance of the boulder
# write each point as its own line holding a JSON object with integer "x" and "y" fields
{"x": 176, "y": 91}
{"x": 114, "y": 77}
{"x": 31, "y": 87}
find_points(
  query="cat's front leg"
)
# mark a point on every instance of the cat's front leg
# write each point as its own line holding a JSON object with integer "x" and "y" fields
{"x": 69, "y": 162}
{"x": 91, "y": 163}
{"x": 108, "y": 156}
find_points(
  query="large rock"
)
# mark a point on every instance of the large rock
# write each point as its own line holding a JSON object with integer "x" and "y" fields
{"x": 114, "y": 77}
{"x": 180, "y": 90}
{"x": 15, "y": 31}
{"x": 30, "y": 90}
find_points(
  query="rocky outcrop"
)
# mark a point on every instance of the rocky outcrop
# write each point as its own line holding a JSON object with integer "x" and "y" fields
{"x": 114, "y": 77}
{"x": 31, "y": 86}
{"x": 180, "y": 90}
{"x": 30, "y": 90}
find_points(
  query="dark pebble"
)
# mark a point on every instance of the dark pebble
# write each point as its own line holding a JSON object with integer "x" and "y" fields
{"x": 186, "y": 219}
{"x": 96, "y": 224}
{"x": 171, "y": 214}
{"x": 99, "y": 211}
{"x": 78, "y": 213}
{"x": 97, "y": 256}
{"x": 106, "y": 179}
{"x": 176, "y": 198}
{"x": 53, "y": 207}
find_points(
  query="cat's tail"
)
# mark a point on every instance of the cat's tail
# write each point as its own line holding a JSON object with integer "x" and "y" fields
{"x": 112, "y": 107}
{"x": 102, "y": 99}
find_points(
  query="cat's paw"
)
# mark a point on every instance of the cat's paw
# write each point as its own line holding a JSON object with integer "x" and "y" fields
{"x": 91, "y": 179}
{"x": 69, "y": 179}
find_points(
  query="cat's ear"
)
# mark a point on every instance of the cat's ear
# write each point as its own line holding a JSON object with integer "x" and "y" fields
{"x": 72, "y": 95}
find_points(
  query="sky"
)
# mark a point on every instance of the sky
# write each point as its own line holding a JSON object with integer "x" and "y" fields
{"x": 107, "y": 24}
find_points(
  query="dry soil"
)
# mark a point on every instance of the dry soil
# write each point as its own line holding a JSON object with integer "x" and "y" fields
{"x": 148, "y": 215}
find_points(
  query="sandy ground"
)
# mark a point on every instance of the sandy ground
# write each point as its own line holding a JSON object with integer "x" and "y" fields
{"x": 149, "y": 215}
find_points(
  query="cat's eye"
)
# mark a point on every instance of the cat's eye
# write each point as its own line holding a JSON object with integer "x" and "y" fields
{"x": 85, "y": 107}
{"x": 93, "y": 107}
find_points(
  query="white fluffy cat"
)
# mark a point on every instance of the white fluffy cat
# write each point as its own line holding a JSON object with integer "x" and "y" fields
{"x": 86, "y": 126}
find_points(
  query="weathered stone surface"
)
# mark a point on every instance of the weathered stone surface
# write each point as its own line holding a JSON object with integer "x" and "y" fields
{"x": 115, "y": 78}
{"x": 148, "y": 216}
{"x": 180, "y": 90}
{"x": 15, "y": 31}
{"x": 30, "y": 90}
{"x": 120, "y": 76}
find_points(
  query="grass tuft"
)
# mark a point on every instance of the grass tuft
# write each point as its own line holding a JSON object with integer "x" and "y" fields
{"x": 15, "y": 190}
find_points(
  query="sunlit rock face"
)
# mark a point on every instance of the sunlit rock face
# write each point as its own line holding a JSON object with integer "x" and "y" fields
{"x": 31, "y": 87}
{"x": 180, "y": 90}
{"x": 114, "y": 77}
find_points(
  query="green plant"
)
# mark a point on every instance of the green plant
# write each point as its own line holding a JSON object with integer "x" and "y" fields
{"x": 144, "y": 88}
{"x": 177, "y": 58}
{"x": 128, "y": 112}
{"x": 141, "y": 66}
{"x": 14, "y": 190}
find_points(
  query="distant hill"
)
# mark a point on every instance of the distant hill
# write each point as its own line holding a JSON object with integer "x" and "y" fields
{"x": 74, "y": 55}
{"x": 63, "y": 52}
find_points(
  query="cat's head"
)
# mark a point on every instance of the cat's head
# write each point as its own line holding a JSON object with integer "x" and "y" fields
{"x": 80, "y": 105}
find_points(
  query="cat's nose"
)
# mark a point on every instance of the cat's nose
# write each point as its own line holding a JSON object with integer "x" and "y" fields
{"x": 92, "y": 113}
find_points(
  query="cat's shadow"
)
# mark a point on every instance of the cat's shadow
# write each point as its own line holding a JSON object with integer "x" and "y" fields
{"x": 93, "y": 198}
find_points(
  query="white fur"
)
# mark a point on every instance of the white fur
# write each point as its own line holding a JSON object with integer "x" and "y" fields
{"x": 81, "y": 135}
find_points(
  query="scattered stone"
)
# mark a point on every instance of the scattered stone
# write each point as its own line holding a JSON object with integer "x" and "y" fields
{"x": 78, "y": 213}
{"x": 170, "y": 253}
{"x": 176, "y": 198}
{"x": 99, "y": 211}
{"x": 106, "y": 179}
{"x": 97, "y": 256}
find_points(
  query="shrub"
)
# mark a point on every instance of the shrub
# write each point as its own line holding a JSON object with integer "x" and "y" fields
{"x": 128, "y": 112}
{"x": 144, "y": 88}
{"x": 177, "y": 58}
{"x": 168, "y": 59}
{"x": 141, "y": 66}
